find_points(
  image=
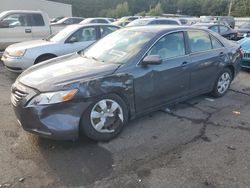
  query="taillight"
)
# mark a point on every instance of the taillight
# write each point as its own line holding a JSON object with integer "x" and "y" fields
{"x": 241, "y": 53}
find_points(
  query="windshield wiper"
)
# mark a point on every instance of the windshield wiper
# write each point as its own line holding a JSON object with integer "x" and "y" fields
{"x": 93, "y": 58}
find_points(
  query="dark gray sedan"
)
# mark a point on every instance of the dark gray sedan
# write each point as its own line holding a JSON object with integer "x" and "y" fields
{"x": 130, "y": 72}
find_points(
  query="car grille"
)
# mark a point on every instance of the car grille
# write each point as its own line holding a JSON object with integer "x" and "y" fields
{"x": 246, "y": 55}
{"x": 17, "y": 96}
{"x": 245, "y": 63}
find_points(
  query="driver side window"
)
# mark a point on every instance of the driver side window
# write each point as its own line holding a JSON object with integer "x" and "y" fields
{"x": 84, "y": 35}
{"x": 17, "y": 20}
{"x": 170, "y": 46}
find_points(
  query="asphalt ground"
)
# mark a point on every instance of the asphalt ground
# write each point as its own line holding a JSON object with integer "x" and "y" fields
{"x": 203, "y": 142}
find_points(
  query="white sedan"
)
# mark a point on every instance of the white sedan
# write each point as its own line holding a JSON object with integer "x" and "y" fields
{"x": 21, "y": 56}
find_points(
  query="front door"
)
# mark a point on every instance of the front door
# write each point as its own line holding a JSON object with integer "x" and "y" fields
{"x": 18, "y": 30}
{"x": 161, "y": 84}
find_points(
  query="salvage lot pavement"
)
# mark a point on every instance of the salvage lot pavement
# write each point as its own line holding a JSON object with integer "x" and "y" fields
{"x": 203, "y": 142}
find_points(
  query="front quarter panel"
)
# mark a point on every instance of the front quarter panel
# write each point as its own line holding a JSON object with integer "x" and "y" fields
{"x": 120, "y": 84}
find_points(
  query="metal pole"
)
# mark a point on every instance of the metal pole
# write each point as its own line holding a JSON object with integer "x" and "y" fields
{"x": 230, "y": 7}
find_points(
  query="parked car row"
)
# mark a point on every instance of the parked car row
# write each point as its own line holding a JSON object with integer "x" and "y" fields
{"x": 21, "y": 56}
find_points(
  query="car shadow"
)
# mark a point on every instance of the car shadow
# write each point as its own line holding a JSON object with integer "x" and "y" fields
{"x": 78, "y": 163}
{"x": 11, "y": 76}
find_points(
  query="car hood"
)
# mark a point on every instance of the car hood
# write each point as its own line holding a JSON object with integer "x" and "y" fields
{"x": 29, "y": 44}
{"x": 245, "y": 44}
{"x": 55, "y": 74}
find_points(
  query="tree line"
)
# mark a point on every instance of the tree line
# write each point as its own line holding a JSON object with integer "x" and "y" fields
{"x": 119, "y": 8}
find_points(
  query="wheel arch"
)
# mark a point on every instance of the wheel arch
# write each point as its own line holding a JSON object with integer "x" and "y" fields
{"x": 232, "y": 69}
{"x": 44, "y": 55}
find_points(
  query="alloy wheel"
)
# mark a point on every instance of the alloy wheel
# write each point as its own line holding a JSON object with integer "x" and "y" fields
{"x": 106, "y": 116}
{"x": 223, "y": 82}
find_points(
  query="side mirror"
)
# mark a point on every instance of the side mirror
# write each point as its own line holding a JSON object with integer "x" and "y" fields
{"x": 152, "y": 60}
{"x": 72, "y": 40}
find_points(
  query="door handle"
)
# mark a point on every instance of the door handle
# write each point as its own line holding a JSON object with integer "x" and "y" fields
{"x": 221, "y": 53}
{"x": 184, "y": 64}
{"x": 28, "y": 31}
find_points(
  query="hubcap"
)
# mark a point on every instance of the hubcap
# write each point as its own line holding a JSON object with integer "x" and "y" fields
{"x": 106, "y": 116}
{"x": 223, "y": 83}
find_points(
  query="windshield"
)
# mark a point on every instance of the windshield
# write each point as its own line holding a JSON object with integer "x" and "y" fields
{"x": 245, "y": 44}
{"x": 61, "y": 35}
{"x": 139, "y": 22}
{"x": 118, "y": 47}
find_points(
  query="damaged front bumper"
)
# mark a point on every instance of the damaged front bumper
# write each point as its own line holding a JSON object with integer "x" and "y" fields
{"x": 56, "y": 121}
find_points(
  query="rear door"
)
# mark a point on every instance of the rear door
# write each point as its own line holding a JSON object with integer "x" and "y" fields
{"x": 206, "y": 54}
{"x": 105, "y": 30}
{"x": 40, "y": 29}
{"x": 19, "y": 30}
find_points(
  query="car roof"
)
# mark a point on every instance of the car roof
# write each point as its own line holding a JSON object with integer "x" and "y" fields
{"x": 22, "y": 11}
{"x": 96, "y": 18}
{"x": 161, "y": 28}
{"x": 157, "y": 18}
{"x": 77, "y": 26}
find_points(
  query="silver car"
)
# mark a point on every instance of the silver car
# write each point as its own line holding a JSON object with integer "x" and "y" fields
{"x": 21, "y": 56}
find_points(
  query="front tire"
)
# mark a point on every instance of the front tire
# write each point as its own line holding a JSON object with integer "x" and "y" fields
{"x": 105, "y": 118}
{"x": 222, "y": 83}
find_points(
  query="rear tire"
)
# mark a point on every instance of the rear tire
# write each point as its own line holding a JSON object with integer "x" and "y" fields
{"x": 105, "y": 118}
{"x": 44, "y": 58}
{"x": 222, "y": 83}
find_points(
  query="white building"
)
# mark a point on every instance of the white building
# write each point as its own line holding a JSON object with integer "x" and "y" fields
{"x": 53, "y": 9}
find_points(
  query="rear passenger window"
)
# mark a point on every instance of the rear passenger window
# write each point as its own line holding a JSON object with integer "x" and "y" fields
{"x": 102, "y": 21}
{"x": 37, "y": 20}
{"x": 105, "y": 30}
{"x": 215, "y": 28}
{"x": 167, "y": 22}
{"x": 199, "y": 41}
{"x": 223, "y": 29}
{"x": 170, "y": 46}
{"x": 216, "y": 43}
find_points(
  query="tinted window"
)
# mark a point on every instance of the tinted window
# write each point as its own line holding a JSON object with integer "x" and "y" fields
{"x": 102, "y": 21}
{"x": 199, "y": 41}
{"x": 167, "y": 22}
{"x": 69, "y": 21}
{"x": 17, "y": 20}
{"x": 154, "y": 22}
{"x": 132, "y": 18}
{"x": 105, "y": 30}
{"x": 84, "y": 34}
{"x": 215, "y": 28}
{"x": 223, "y": 29}
{"x": 169, "y": 46}
{"x": 77, "y": 20}
{"x": 216, "y": 43}
{"x": 37, "y": 20}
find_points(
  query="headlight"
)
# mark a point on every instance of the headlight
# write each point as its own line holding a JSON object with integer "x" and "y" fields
{"x": 53, "y": 97}
{"x": 18, "y": 53}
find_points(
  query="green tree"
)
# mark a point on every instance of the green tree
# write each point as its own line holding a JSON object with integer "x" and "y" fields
{"x": 156, "y": 11}
{"x": 120, "y": 11}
